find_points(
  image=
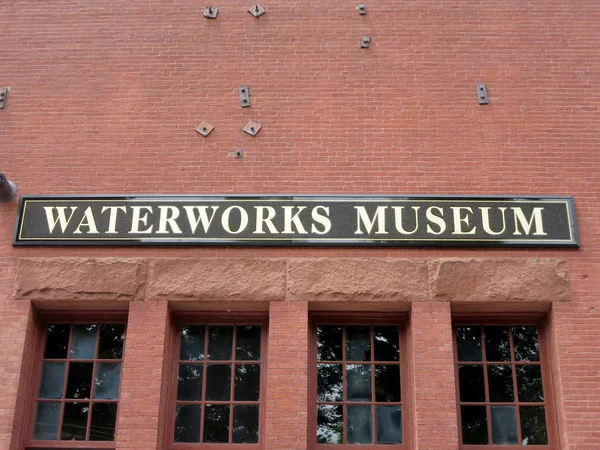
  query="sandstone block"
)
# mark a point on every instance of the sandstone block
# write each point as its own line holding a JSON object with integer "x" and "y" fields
{"x": 215, "y": 279}
{"x": 478, "y": 280}
{"x": 357, "y": 279}
{"x": 80, "y": 278}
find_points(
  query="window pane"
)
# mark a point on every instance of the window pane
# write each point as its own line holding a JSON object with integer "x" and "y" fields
{"x": 533, "y": 425}
{"x": 497, "y": 344}
{"x": 389, "y": 424}
{"x": 470, "y": 380}
{"x": 220, "y": 342}
{"x": 57, "y": 341}
{"x": 79, "y": 383}
{"x": 358, "y": 343}
{"x": 74, "y": 424}
{"x": 468, "y": 342}
{"x": 245, "y": 424}
{"x": 218, "y": 382}
{"x": 84, "y": 342}
{"x": 358, "y": 383}
{"x": 216, "y": 423}
{"x": 47, "y": 417}
{"x": 189, "y": 382}
{"x": 387, "y": 383}
{"x": 360, "y": 429}
{"x": 474, "y": 425}
{"x": 53, "y": 378}
{"x": 504, "y": 425}
{"x": 525, "y": 341}
{"x": 387, "y": 347}
{"x": 104, "y": 419}
{"x": 247, "y": 382}
{"x": 330, "y": 424}
{"x": 529, "y": 383}
{"x": 187, "y": 423}
{"x": 247, "y": 347}
{"x": 192, "y": 343}
{"x": 329, "y": 343}
{"x": 500, "y": 379}
{"x": 329, "y": 382}
{"x": 112, "y": 337}
{"x": 108, "y": 378}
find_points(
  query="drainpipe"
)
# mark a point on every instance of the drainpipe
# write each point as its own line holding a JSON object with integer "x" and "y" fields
{"x": 7, "y": 188}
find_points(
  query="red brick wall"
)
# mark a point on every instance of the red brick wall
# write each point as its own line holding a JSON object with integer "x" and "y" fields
{"x": 104, "y": 98}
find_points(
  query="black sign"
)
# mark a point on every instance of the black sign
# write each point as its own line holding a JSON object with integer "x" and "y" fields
{"x": 297, "y": 220}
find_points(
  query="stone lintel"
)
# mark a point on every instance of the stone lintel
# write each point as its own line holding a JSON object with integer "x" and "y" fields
{"x": 81, "y": 279}
{"x": 217, "y": 279}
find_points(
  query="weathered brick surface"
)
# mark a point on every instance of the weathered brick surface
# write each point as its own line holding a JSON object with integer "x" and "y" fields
{"x": 142, "y": 404}
{"x": 434, "y": 398}
{"x": 287, "y": 379}
{"x": 104, "y": 98}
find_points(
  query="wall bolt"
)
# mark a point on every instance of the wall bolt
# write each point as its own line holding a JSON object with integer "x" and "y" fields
{"x": 252, "y": 128}
{"x": 210, "y": 12}
{"x": 3, "y": 95}
{"x": 482, "y": 94}
{"x": 244, "y": 96}
{"x": 204, "y": 128}
{"x": 257, "y": 10}
{"x": 366, "y": 41}
{"x": 362, "y": 9}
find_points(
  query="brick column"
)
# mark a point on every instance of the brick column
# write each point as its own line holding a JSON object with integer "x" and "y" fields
{"x": 287, "y": 384}
{"x": 435, "y": 423}
{"x": 143, "y": 388}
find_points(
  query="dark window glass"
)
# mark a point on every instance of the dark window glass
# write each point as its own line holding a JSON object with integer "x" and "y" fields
{"x": 112, "y": 337}
{"x": 216, "y": 423}
{"x": 220, "y": 343}
{"x": 84, "y": 342}
{"x": 74, "y": 421}
{"x": 500, "y": 389}
{"x": 330, "y": 424}
{"x": 468, "y": 341}
{"x": 57, "y": 341}
{"x": 72, "y": 355}
{"x": 245, "y": 424}
{"x": 208, "y": 389}
{"x": 104, "y": 420}
{"x": 329, "y": 343}
{"x": 526, "y": 344}
{"x": 474, "y": 425}
{"x": 192, "y": 343}
{"x": 533, "y": 425}
{"x": 497, "y": 344}
{"x": 247, "y": 343}
{"x": 187, "y": 423}
{"x": 358, "y": 344}
{"x": 358, "y": 387}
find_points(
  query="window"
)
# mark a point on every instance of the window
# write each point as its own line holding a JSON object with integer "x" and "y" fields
{"x": 79, "y": 379}
{"x": 357, "y": 374}
{"x": 502, "y": 384}
{"x": 219, "y": 381}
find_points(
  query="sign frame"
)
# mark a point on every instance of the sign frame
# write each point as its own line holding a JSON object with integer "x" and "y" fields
{"x": 573, "y": 242}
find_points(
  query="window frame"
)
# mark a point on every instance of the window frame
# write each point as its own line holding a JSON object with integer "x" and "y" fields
{"x": 509, "y": 320}
{"x": 179, "y": 319}
{"x": 366, "y": 319}
{"x": 68, "y": 318}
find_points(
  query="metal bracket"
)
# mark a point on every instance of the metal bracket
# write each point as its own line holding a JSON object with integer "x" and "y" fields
{"x": 366, "y": 41}
{"x": 482, "y": 96}
{"x": 204, "y": 128}
{"x": 210, "y": 12}
{"x": 362, "y": 9}
{"x": 257, "y": 10}
{"x": 244, "y": 96}
{"x": 252, "y": 128}
{"x": 3, "y": 94}
{"x": 239, "y": 153}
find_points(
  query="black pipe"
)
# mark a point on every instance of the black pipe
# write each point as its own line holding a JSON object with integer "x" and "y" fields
{"x": 7, "y": 188}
